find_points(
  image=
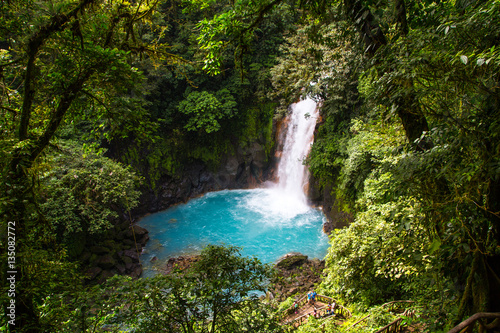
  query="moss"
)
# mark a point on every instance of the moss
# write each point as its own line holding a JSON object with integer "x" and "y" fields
{"x": 291, "y": 261}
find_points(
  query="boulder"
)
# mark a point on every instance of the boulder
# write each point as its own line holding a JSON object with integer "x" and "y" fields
{"x": 131, "y": 254}
{"x": 137, "y": 230}
{"x": 126, "y": 260}
{"x": 106, "y": 262}
{"x": 92, "y": 272}
{"x": 99, "y": 250}
{"x": 291, "y": 260}
{"x": 129, "y": 266}
{"x": 137, "y": 271}
{"x": 120, "y": 268}
{"x": 144, "y": 239}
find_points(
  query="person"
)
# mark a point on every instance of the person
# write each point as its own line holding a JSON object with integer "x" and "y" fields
{"x": 313, "y": 297}
{"x": 329, "y": 309}
{"x": 309, "y": 297}
{"x": 295, "y": 306}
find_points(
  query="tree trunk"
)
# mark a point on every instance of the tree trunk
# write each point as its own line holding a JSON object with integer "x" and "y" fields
{"x": 414, "y": 123}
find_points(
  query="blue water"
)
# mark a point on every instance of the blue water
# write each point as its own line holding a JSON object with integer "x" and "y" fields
{"x": 265, "y": 223}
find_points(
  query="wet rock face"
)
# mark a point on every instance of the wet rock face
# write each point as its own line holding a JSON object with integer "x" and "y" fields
{"x": 118, "y": 252}
{"x": 324, "y": 196}
{"x": 245, "y": 168}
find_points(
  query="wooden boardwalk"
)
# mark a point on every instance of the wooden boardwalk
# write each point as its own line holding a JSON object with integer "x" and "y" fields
{"x": 305, "y": 310}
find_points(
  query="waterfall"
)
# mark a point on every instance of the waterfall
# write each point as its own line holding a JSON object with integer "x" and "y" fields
{"x": 266, "y": 222}
{"x": 293, "y": 176}
{"x": 287, "y": 197}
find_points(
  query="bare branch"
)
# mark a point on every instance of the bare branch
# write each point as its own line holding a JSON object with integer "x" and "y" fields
{"x": 471, "y": 320}
{"x": 14, "y": 111}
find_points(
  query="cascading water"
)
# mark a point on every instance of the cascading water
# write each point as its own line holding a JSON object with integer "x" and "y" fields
{"x": 292, "y": 173}
{"x": 267, "y": 222}
{"x": 288, "y": 197}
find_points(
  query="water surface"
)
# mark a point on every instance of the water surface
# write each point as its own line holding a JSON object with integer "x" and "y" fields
{"x": 266, "y": 223}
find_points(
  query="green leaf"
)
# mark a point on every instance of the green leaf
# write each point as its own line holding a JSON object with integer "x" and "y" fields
{"x": 435, "y": 245}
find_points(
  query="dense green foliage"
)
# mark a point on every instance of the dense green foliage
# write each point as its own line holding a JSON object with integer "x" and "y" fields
{"x": 408, "y": 140}
{"x": 80, "y": 195}
{"x": 215, "y": 294}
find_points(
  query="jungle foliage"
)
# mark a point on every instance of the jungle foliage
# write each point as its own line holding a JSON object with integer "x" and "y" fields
{"x": 408, "y": 139}
{"x": 417, "y": 163}
{"x": 409, "y": 142}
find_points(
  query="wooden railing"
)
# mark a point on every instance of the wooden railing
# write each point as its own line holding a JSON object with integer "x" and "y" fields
{"x": 299, "y": 320}
{"x": 337, "y": 309}
{"x": 395, "y": 306}
{"x": 466, "y": 326}
{"x": 480, "y": 318}
{"x": 397, "y": 325}
{"x": 285, "y": 313}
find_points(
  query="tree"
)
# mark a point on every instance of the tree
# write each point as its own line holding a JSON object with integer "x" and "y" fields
{"x": 205, "y": 110}
{"x": 218, "y": 293}
{"x": 81, "y": 193}
{"x": 63, "y": 60}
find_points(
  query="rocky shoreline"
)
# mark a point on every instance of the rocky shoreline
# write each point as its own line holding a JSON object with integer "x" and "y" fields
{"x": 118, "y": 255}
{"x": 120, "y": 252}
{"x": 296, "y": 273}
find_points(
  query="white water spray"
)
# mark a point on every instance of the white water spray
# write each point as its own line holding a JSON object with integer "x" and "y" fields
{"x": 293, "y": 175}
{"x": 287, "y": 197}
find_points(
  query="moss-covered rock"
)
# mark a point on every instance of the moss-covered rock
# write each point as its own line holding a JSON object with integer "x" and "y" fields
{"x": 106, "y": 262}
{"x": 291, "y": 260}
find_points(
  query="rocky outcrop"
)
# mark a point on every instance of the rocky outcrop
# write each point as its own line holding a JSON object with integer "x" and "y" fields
{"x": 117, "y": 253}
{"x": 296, "y": 275}
{"x": 244, "y": 168}
{"x": 324, "y": 196}
{"x": 291, "y": 260}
